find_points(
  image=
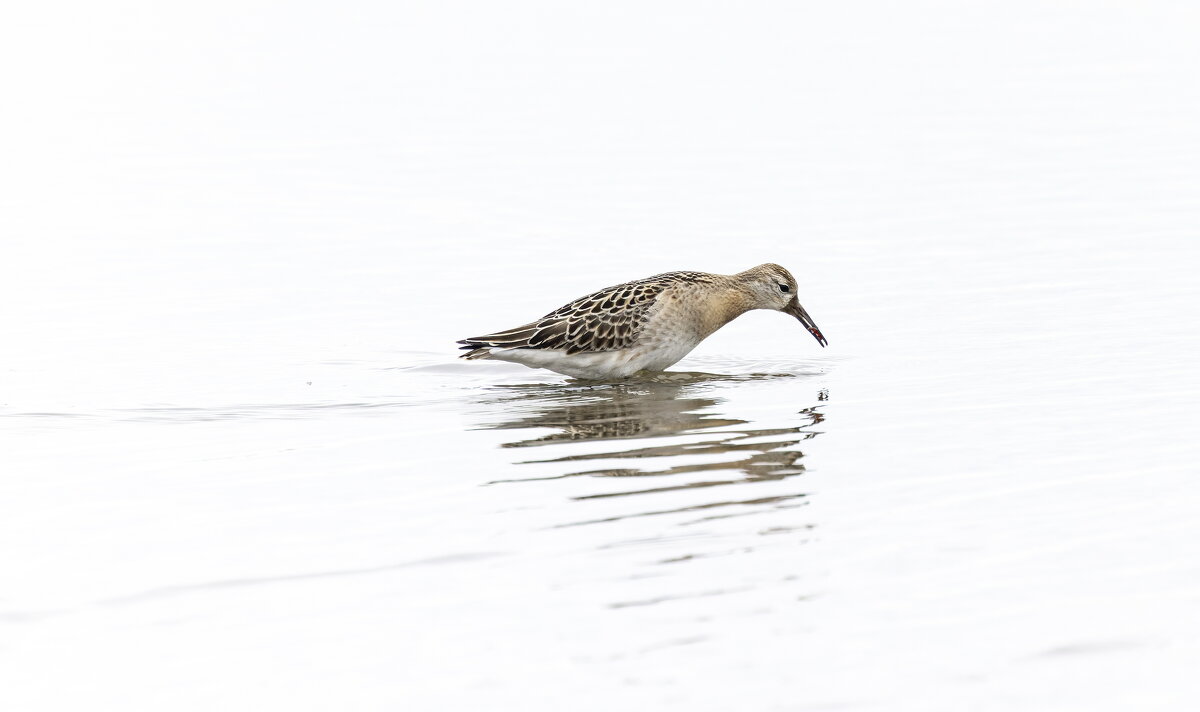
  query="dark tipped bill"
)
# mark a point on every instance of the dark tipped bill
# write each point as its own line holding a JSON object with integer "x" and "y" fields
{"x": 798, "y": 311}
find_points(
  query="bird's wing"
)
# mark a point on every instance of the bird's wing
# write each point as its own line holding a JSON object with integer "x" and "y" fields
{"x": 607, "y": 320}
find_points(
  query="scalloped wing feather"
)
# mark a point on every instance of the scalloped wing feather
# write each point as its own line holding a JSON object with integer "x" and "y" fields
{"x": 608, "y": 320}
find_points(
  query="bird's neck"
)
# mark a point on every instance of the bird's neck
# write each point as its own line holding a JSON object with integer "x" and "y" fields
{"x": 723, "y": 307}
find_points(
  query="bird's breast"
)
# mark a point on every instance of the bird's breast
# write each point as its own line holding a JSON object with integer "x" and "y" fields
{"x": 690, "y": 316}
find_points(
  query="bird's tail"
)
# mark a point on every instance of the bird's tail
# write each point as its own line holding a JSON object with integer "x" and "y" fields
{"x": 474, "y": 353}
{"x": 481, "y": 346}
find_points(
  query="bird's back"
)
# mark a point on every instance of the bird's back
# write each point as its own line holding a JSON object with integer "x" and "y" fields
{"x": 610, "y": 319}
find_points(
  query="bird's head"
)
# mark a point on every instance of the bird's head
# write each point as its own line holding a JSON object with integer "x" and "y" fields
{"x": 773, "y": 287}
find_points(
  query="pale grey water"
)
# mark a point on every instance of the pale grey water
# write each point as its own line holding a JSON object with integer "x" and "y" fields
{"x": 243, "y": 469}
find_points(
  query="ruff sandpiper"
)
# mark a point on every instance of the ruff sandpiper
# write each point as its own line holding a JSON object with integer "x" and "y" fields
{"x": 644, "y": 325}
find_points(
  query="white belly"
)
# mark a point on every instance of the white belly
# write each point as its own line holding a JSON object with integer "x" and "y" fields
{"x": 602, "y": 366}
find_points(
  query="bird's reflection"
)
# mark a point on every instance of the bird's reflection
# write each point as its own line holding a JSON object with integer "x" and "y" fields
{"x": 718, "y": 451}
{"x": 616, "y": 412}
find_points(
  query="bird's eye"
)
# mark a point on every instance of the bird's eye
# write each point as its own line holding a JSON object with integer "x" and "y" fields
{"x": 784, "y": 288}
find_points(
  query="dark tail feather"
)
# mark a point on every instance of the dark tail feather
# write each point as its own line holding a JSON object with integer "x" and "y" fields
{"x": 480, "y": 346}
{"x": 503, "y": 339}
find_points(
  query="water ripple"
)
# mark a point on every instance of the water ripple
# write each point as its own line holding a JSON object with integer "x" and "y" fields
{"x": 678, "y": 435}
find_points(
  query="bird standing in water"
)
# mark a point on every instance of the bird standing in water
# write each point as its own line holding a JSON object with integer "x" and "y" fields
{"x": 644, "y": 325}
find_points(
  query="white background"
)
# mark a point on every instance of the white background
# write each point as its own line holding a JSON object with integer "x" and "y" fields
{"x": 242, "y": 469}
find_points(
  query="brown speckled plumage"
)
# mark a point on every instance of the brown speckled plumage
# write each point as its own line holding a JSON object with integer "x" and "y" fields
{"x": 647, "y": 324}
{"x": 607, "y": 320}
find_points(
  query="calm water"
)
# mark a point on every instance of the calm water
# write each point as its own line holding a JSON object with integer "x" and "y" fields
{"x": 244, "y": 470}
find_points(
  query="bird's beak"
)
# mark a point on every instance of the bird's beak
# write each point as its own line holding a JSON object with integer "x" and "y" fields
{"x": 797, "y": 311}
